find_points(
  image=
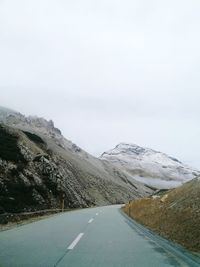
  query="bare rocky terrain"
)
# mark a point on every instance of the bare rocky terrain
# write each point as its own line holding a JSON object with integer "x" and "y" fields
{"x": 40, "y": 169}
{"x": 174, "y": 214}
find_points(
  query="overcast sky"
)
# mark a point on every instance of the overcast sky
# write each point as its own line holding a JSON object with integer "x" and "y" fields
{"x": 106, "y": 71}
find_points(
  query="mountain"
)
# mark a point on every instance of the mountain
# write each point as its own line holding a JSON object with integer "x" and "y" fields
{"x": 174, "y": 214}
{"x": 39, "y": 168}
{"x": 149, "y": 166}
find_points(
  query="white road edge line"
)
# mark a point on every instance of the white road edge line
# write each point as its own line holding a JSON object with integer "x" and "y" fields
{"x": 75, "y": 242}
{"x": 91, "y": 220}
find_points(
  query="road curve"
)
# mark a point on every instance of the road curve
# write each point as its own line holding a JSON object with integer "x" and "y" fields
{"x": 96, "y": 237}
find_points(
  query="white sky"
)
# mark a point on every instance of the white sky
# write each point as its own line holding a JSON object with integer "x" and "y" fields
{"x": 106, "y": 71}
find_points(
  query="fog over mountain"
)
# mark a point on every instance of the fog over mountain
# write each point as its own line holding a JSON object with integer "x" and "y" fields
{"x": 106, "y": 72}
{"x": 148, "y": 166}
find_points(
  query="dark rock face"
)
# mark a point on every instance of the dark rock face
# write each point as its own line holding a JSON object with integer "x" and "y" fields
{"x": 9, "y": 149}
{"x": 30, "y": 181}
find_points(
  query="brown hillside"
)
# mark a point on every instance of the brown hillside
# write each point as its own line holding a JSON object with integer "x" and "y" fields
{"x": 174, "y": 214}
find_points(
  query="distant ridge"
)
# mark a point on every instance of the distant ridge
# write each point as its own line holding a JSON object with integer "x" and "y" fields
{"x": 149, "y": 166}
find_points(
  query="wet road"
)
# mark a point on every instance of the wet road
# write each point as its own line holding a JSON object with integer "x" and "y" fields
{"x": 96, "y": 237}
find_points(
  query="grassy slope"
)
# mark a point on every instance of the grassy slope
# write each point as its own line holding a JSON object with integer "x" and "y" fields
{"x": 174, "y": 215}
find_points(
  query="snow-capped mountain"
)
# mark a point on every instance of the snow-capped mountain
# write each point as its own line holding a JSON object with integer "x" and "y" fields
{"x": 149, "y": 166}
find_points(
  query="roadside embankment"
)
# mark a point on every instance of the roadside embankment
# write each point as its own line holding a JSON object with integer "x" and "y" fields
{"x": 9, "y": 220}
{"x": 174, "y": 214}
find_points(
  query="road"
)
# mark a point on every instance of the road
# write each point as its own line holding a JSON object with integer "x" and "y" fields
{"x": 96, "y": 237}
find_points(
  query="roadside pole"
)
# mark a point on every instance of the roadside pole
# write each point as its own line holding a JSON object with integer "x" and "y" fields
{"x": 129, "y": 208}
{"x": 63, "y": 202}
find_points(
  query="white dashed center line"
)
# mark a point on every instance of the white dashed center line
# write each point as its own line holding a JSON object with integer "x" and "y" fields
{"x": 91, "y": 220}
{"x": 75, "y": 242}
{"x": 78, "y": 238}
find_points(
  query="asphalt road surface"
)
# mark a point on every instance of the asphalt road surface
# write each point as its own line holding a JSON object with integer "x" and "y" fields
{"x": 96, "y": 237}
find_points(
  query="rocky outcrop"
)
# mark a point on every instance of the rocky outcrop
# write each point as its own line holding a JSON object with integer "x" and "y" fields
{"x": 40, "y": 169}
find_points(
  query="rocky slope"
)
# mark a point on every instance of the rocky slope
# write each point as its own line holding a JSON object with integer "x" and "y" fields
{"x": 175, "y": 214}
{"x": 149, "y": 166}
{"x": 39, "y": 167}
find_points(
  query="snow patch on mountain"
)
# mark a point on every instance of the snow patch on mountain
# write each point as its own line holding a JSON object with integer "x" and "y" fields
{"x": 149, "y": 166}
